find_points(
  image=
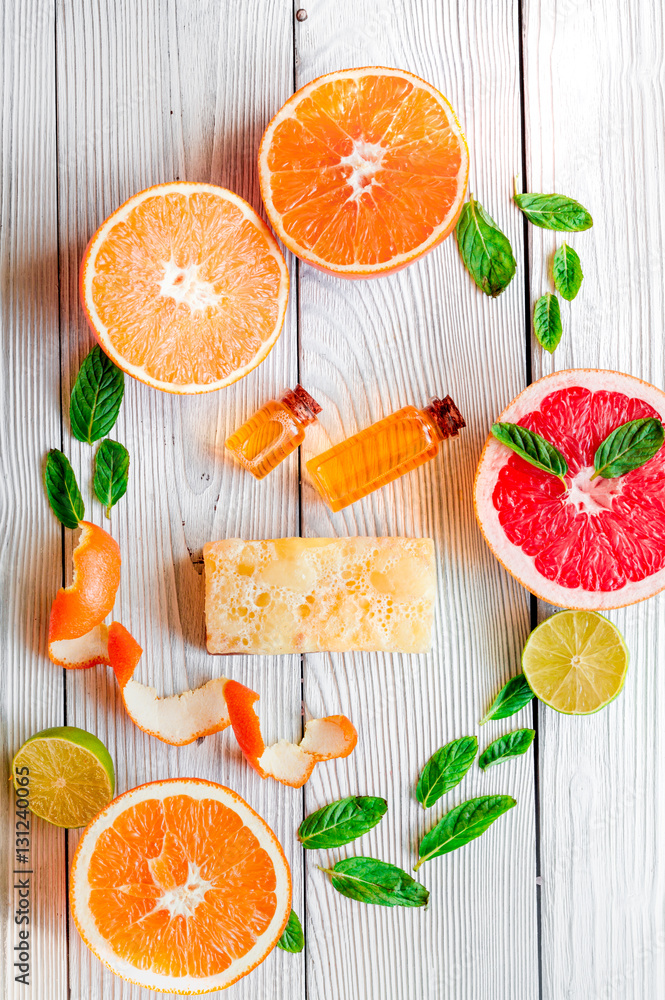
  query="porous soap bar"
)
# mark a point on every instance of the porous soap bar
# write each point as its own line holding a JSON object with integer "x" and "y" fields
{"x": 310, "y": 595}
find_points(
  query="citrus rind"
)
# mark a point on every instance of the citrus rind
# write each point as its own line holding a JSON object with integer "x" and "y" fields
{"x": 494, "y": 456}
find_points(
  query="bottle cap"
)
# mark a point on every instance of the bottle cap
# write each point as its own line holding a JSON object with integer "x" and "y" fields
{"x": 302, "y": 405}
{"x": 446, "y": 416}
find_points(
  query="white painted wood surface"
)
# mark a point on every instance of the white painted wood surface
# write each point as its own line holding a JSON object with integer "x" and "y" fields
{"x": 595, "y": 111}
{"x": 103, "y": 98}
{"x": 147, "y": 94}
{"x": 368, "y": 348}
{"x": 31, "y": 692}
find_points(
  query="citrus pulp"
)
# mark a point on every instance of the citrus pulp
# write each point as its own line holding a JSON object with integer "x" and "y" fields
{"x": 364, "y": 170}
{"x": 589, "y": 542}
{"x": 185, "y": 287}
{"x": 179, "y": 886}
{"x": 575, "y": 662}
{"x": 69, "y": 775}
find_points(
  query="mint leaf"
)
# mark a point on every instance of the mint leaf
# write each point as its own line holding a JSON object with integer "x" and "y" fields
{"x": 341, "y": 822}
{"x": 462, "y": 824}
{"x": 512, "y": 697}
{"x": 547, "y": 322}
{"x": 567, "y": 271}
{"x": 111, "y": 473}
{"x": 62, "y": 490}
{"x": 445, "y": 769}
{"x": 485, "y": 251}
{"x": 531, "y": 447}
{"x": 628, "y": 447}
{"x": 376, "y": 882}
{"x": 511, "y": 745}
{"x": 292, "y": 938}
{"x": 96, "y": 397}
{"x": 553, "y": 211}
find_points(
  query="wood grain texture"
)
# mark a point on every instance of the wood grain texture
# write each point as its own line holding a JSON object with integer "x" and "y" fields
{"x": 152, "y": 92}
{"x": 594, "y": 82}
{"x": 31, "y": 688}
{"x": 101, "y": 99}
{"x": 368, "y": 347}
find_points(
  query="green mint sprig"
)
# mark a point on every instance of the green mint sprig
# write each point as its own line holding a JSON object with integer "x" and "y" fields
{"x": 292, "y": 938}
{"x": 96, "y": 397}
{"x": 567, "y": 271}
{"x": 512, "y": 698}
{"x": 628, "y": 447}
{"x": 553, "y": 211}
{"x": 485, "y": 251}
{"x": 341, "y": 822}
{"x": 445, "y": 769}
{"x": 511, "y": 745}
{"x": 462, "y": 824}
{"x": 62, "y": 490}
{"x": 111, "y": 473}
{"x": 532, "y": 448}
{"x": 547, "y": 322}
{"x": 376, "y": 882}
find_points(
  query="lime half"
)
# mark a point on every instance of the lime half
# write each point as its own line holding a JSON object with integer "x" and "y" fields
{"x": 575, "y": 662}
{"x": 66, "y": 775}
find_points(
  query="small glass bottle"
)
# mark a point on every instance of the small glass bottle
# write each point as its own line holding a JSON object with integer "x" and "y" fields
{"x": 383, "y": 452}
{"x": 273, "y": 432}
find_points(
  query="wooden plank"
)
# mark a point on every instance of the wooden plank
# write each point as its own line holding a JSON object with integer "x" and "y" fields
{"x": 31, "y": 689}
{"x": 146, "y": 93}
{"x": 595, "y": 109}
{"x": 369, "y": 347}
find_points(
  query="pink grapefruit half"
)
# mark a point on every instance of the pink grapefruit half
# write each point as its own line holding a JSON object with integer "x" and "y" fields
{"x": 586, "y": 544}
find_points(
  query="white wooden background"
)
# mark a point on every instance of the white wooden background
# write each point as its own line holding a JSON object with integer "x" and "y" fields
{"x": 564, "y": 898}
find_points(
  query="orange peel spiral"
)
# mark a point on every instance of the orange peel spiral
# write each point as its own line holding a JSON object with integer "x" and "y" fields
{"x": 77, "y": 637}
{"x": 180, "y": 719}
{"x": 290, "y": 763}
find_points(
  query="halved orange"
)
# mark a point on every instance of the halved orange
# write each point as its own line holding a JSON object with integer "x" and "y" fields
{"x": 185, "y": 287}
{"x": 179, "y": 886}
{"x": 364, "y": 170}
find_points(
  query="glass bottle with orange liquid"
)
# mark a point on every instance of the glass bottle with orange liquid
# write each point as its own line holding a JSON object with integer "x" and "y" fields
{"x": 273, "y": 432}
{"x": 383, "y": 452}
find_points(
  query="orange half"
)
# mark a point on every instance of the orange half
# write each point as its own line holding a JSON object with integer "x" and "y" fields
{"x": 179, "y": 886}
{"x": 364, "y": 170}
{"x": 185, "y": 287}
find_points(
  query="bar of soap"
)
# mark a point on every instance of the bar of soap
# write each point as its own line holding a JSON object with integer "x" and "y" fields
{"x": 310, "y": 595}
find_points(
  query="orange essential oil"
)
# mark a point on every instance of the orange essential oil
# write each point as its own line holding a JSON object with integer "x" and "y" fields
{"x": 383, "y": 452}
{"x": 274, "y": 431}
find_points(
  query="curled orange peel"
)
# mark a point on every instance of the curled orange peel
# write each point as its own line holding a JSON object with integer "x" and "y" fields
{"x": 178, "y": 719}
{"x": 77, "y": 636}
{"x": 290, "y": 763}
{"x": 246, "y": 727}
{"x": 86, "y": 650}
{"x": 124, "y": 653}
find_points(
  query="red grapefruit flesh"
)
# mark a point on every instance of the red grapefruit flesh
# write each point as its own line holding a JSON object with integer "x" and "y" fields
{"x": 589, "y": 544}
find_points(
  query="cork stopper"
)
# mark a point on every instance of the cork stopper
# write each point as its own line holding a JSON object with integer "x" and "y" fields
{"x": 446, "y": 416}
{"x": 303, "y": 407}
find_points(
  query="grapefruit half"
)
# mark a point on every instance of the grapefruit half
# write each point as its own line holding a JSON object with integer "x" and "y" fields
{"x": 588, "y": 544}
